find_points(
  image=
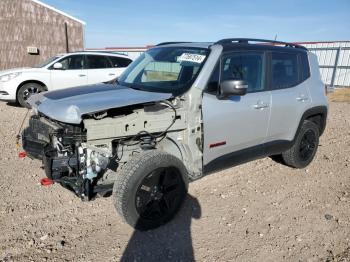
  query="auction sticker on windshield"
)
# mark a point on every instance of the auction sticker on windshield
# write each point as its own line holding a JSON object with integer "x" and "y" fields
{"x": 194, "y": 58}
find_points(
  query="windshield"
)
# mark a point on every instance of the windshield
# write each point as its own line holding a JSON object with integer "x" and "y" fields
{"x": 48, "y": 61}
{"x": 165, "y": 69}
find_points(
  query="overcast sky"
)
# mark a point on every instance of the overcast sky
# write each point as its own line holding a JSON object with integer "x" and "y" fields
{"x": 113, "y": 23}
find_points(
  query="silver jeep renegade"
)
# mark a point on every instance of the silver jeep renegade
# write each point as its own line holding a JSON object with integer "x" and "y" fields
{"x": 179, "y": 112}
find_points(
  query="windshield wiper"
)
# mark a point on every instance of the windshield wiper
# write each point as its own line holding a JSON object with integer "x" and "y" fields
{"x": 136, "y": 88}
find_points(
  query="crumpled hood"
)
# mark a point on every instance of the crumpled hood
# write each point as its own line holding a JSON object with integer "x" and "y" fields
{"x": 70, "y": 104}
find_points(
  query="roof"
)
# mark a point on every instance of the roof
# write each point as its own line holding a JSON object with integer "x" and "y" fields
{"x": 95, "y": 53}
{"x": 229, "y": 46}
{"x": 188, "y": 44}
{"x": 126, "y": 49}
{"x": 58, "y": 11}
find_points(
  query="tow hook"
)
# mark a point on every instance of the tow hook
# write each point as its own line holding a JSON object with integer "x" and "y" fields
{"x": 22, "y": 154}
{"x": 46, "y": 181}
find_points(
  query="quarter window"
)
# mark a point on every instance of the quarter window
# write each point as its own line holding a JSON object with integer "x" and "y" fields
{"x": 247, "y": 66}
{"x": 305, "y": 66}
{"x": 98, "y": 62}
{"x": 119, "y": 61}
{"x": 284, "y": 70}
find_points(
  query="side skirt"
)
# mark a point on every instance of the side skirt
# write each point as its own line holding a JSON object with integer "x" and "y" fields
{"x": 246, "y": 155}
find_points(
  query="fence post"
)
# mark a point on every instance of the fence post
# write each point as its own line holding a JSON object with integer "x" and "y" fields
{"x": 335, "y": 66}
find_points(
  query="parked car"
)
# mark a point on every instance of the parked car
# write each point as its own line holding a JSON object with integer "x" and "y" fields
{"x": 179, "y": 112}
{"x": 61, "y": 71}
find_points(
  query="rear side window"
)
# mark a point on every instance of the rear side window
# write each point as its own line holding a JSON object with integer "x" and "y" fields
{"x": 119, "y": 61}
{"x": 98, "y": 61}
{"x": 305, "y": 67}
{"x": 284, "y": 69}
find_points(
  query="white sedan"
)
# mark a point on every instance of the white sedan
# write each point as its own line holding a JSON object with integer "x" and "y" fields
{"x": 61, "y": 71}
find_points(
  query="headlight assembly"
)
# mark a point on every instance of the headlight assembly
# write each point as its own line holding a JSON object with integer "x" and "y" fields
{"x": 8, "y": 77}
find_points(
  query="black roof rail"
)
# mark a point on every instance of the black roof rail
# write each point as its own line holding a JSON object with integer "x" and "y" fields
{"x": 247, "y": 40}
{"x": 169, "y": 43}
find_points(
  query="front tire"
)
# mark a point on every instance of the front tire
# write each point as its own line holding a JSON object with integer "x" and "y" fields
{"x": 150, "y": 189}
{"x": 305, "y": 146}
{"x": 27, "y": 90}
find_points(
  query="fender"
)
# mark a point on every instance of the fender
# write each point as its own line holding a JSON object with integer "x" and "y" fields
{"x": 314, "y": 111}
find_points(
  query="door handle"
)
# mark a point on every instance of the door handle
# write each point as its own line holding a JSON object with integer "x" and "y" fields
{"x": 81, "y": 75}
{"x": 111, "y": 74}
{"x": 260, "y": 105}
{"x": 302, "y": 98}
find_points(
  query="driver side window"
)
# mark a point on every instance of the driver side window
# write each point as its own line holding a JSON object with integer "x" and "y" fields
{"x": 247, "y": 66}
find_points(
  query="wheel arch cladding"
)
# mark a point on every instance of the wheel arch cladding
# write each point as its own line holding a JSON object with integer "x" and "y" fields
{"x": 317, "y": 115}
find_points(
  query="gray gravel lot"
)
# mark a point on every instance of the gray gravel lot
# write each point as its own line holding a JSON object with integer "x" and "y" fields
{"x": 259, "y": 211}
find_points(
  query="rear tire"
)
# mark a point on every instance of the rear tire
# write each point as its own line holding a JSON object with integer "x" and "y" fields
{"x": 150, "y": 189}
{"x": 27, "y": 90}
{"x": 305, "y": 146}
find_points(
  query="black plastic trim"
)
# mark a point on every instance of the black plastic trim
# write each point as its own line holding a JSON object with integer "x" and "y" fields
{"x": 176, "y": 42}
{"x": 317, "y": 110}
{"x": 247, "y": 40}
{"x": 246, "y": 155}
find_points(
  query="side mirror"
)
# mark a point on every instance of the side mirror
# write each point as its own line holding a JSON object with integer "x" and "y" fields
{"x": 58, "y": 66}
{"x": 233, "y": 88}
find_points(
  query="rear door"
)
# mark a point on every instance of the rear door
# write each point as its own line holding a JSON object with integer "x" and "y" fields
{"x": 240, "y": 122}
{"x": 100, "y": 69}
{"x": 289, "y": 92}
{"x": 73, "y": 72}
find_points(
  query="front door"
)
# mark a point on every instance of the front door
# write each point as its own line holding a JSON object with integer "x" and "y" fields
{"x": 72, "y": 73}
{"x": 239, "y": 122}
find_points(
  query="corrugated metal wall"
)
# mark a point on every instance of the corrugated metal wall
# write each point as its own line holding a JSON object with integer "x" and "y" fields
{"x": 25, "y": 23}
{"x": 333, "y": 57}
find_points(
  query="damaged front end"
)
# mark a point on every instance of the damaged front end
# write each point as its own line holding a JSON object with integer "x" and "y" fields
{"x": 61, "y": 148}
{"x": 85, "y": 158}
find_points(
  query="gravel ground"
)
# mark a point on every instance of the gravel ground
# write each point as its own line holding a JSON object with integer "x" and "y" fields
{"x": 259, "y": 211}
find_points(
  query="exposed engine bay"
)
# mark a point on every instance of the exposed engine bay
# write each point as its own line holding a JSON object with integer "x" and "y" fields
{"x": 85, "y": 158}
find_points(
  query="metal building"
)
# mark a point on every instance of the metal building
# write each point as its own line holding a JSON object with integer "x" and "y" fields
{"x": 334, "y": 61}
{"x": 31, "y": 32}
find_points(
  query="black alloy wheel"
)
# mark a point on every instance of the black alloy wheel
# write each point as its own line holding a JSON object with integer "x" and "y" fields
{"x": 150, "y": 189}
{"x": 307, "y": 145}
{"x": 159, "y": 193}
{"x": 304, "y": 147}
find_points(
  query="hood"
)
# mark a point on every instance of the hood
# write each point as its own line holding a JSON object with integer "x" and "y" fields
{"x": 70, "y": 104}
{"x": 14, "y": 70}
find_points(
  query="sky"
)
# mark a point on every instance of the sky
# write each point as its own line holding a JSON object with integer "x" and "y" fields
{"x": 115, "y": 23}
